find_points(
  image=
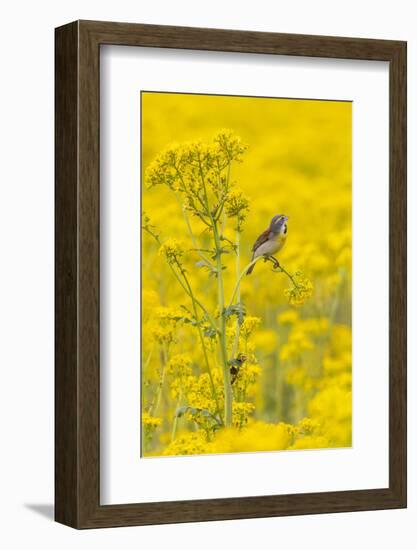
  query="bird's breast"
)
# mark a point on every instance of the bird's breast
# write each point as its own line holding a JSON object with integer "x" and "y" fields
{"x": 278, "y": 241}
{"x": 271, "y": 246}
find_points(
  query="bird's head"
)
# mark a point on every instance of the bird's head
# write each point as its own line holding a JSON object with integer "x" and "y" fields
{"x": 279, "y": 224}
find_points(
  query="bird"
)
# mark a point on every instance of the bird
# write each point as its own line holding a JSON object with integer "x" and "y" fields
{"x": 271, "y": 240}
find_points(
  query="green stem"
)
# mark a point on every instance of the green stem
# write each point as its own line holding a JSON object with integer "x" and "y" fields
{"x": 203, "y": 344}
{"x": 228, "y": 396}
{"x": 154, "y": 409}
{"x": 220, "y": 211}
{"x": 189, "y": 292}
{"x": 148, "y": 360}
{"x": 175, "y": 423}
{"x": 253, "y": 262}
{"x": 243, "y": 272}
{"x": 236, "y": 342}
{"x": 282, "y": 270}
{"x": 190, "y": 231}
{"x": 199, "y": 213}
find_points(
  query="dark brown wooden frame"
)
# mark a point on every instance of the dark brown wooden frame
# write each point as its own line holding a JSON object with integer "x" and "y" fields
{"x": 77, "y": 360}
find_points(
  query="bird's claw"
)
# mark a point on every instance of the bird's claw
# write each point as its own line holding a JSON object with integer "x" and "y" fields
{"x": 275, "y": 263}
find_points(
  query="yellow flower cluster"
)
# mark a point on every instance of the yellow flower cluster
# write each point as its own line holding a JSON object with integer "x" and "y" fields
{"x": 180, "y": 167}
{"x": 149, "y": 425}
{"x": 241, "y": 413}
{"x": 187, "y": 444}
{"x": 237, "y": 204}
{"x": 179, "y": 365}
{"x": 249, "y": 325}
{"x": 300, "y": 290}
{"x": 254, "y": 436}
{"x": 172, "y": 250}
{"x": 150, "y": 422}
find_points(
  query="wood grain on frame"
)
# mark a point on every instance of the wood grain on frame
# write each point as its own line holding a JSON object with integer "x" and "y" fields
{"x": 77, "y": 360}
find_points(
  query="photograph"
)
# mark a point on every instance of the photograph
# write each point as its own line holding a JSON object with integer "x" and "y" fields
{"x": 208, "y": 279}
{"x": 246, "y": 274}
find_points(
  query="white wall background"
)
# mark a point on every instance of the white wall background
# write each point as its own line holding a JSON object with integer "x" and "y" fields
{"x": 26, "y": 272}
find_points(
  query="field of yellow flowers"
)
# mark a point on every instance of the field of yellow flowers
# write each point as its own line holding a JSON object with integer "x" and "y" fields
{"x": 235, "y": 363}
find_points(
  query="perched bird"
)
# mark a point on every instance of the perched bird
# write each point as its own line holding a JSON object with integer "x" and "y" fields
{"x": 270, "y": 241}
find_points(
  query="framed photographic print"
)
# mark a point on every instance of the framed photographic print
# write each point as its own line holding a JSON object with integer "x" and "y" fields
{"x": 230, "y": 274}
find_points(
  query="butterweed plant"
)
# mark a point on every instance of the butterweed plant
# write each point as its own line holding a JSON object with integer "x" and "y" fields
{"x": 199, "y": 174}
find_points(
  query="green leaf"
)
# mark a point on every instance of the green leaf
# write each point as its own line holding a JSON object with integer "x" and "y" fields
{"x": 180, "y": 412}
{"x": 194, "y": 411}
{"x": 210, "y": 332}
{"x": 236, "y": 309}
{"x": 209, "y": 267}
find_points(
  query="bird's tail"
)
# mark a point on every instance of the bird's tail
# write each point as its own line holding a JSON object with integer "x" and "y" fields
{"x": 249, "y": 271}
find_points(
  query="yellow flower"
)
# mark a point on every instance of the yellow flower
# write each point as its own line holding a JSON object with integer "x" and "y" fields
{"x": 308, "y": 426}
{"x": 337, "y": 240}
{"x": 310, "y": 442}
{"x": 333, "y": 406}
{"x": 150, "y": 422}
{"x": 319, "y": 263}
{"x": 163, "y": 169}
{"x": 172, "y": 250}
{"x": 316, "y": 326}
{"x": 246, "y": 379}
{"x": 288, "y": 351}
{"x": 187, "y": 444}
{"x": 344, "y": 259}
{"x": 150, "y": 300}
{"x": 341, "y": 339}
{"x": 256, "y": 436}
{"x": 299, "y": 291}
{"x": 287, "y": 317}
{"x": 149, "y": 425}
{"x": 241, "y": 413}
{"x": 336, "y": 364}
{"x": 160, "y": 332}
{"x": 249, "y": 325}
{"x": 301, "y": 339}
{"x": 200, "y": 394}
{"x": 296, "y": 376}
{"x": 266, "y": 341}
{"x": 230, "y": 145}
{"x": 183, "y": 385}
{"x": 237, "y": 204}
{"x": 179, "y": 365}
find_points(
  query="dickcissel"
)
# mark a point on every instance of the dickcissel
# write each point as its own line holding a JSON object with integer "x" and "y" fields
{"x": 271, "y": 240}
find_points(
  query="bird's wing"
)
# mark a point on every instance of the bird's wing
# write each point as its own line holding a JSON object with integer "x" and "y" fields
{"x": 261, "y": 239}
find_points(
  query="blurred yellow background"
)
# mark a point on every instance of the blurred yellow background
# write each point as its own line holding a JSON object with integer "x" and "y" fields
{"x": 298, "y": 163}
